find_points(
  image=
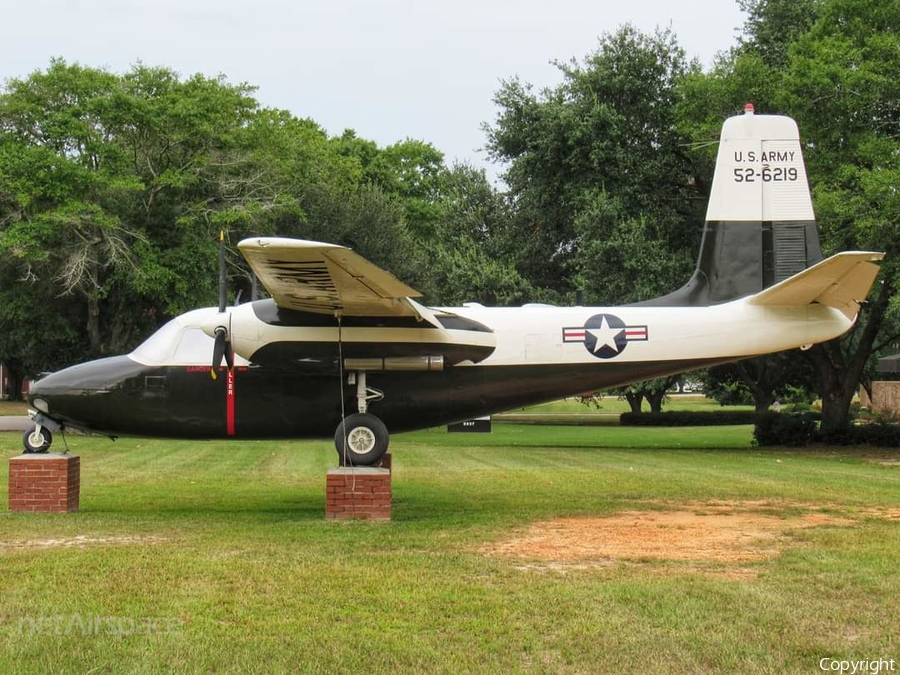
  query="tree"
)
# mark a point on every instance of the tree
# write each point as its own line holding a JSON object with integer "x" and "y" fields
{"x": 654, "y": 391}
{"x": 842, "y": 81}
{"x": 111, "y": 187}
{"x": 114, "y": 187}
{"x": 411, "y": 171}
{"x": 773, "y": 25}
{"x": 35, "y": 337}
{"x": 468, "y": 260}
{"x": 370, "y": 221}
{"x": 786, "y": 377}
{"x": 599, "y": 150}
{"x": 837, "y": 78}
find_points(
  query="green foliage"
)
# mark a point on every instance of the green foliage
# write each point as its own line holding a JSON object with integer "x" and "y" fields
{"x": 773, "y": 25}
{"x": 104, "y": 177}
{"x": 832, "y": 65}
{"x": 727, "y": 391}
{"x": 468, "y": 258}
{"x": 877, "y": 434}
{"x": 597, "y": 171}
{"x": 655, "y": 391}
{"x": 785, "y": 429}
{"x": 113, "y": 189}
{"x": 841, "y": 83}
{"x": 370, "y": 221}
{"x": 787, "y": 377}
{"x": 624, "y": 259}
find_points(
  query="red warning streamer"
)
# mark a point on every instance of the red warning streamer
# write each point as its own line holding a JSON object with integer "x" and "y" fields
{"x": 229, "y": 400}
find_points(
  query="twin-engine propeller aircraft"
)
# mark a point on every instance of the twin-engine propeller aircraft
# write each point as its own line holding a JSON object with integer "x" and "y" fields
{"x": 342, "y": 347}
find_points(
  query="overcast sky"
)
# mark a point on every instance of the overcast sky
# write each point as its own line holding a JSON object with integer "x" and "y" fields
{"x": 390, "y": 69}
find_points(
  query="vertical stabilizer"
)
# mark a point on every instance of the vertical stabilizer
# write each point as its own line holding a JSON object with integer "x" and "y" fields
{"x": 760, "y": 228}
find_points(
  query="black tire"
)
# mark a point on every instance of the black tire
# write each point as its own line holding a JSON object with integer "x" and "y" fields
{"x": 366, "y": 440}
{"x": 37, "y": 442}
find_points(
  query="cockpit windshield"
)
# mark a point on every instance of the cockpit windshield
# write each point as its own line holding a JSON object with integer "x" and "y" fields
{"x": 180, "y": 342}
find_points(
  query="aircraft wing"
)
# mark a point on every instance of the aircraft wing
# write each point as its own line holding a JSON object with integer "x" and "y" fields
{"x": 841, "y": 281}
{"x": 312, "y": 276}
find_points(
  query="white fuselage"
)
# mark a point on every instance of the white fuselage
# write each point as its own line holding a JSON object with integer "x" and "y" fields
{"x": 533, "y": 335}
{"x": 540, "y": 334}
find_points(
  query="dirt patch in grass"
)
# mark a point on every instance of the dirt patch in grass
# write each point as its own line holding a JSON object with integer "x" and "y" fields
{"x": 718, "y": 536}
{"x": 80, "y": 540}
{"x": 886, "y": 461}
{"x": 886, "y": 513}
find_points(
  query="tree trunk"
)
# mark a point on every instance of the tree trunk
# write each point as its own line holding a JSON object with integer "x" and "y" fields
{"x": 655, "y": 398}
{"x": 16, "y": 379}
{"x": 93, "y": 326}
{"x": 656, "y": 393}
{"x": 634, "y": 400}
{"x": 759, "y": 387}
{"x": 836, "y": 407}
{"x": 840, "y": 371}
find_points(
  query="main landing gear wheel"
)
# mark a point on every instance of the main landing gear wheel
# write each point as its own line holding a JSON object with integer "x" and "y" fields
{"x": 37, "y": 439}
{"x": 366, "y": 440}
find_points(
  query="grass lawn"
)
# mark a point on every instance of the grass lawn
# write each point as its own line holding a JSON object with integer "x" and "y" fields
{"x": 612, "y": 405}
{"x": 228, "y": 541}
{"x": 13, "y": 408}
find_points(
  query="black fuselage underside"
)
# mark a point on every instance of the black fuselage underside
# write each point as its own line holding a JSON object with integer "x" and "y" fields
{"x": 185, "y": 402}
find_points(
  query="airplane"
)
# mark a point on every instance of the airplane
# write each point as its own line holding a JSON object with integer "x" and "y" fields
{"x": 343, "y": 347}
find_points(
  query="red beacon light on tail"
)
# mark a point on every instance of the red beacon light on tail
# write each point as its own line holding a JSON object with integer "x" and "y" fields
{"x": 749, "y": 109}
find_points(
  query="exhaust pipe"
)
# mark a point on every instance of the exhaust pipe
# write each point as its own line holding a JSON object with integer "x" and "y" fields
{"x": 397, "y": 363}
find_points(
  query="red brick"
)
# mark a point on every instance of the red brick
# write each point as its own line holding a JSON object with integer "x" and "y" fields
{"x": 44, "y": 483}
{"x": 358, "y": 494}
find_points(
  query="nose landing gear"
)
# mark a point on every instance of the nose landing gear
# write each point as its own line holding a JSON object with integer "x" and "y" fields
{"x": 37, "y": 439}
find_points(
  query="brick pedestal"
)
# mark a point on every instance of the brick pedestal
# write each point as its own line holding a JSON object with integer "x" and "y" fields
{"x": 44, "y": 483}
{"x": 358, "y": 492}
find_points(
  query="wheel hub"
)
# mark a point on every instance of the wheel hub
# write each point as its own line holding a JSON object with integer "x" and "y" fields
{"x": 361, "y": 440}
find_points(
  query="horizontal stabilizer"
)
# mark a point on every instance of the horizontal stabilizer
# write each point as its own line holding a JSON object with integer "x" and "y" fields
{"x": 842, "y": 281}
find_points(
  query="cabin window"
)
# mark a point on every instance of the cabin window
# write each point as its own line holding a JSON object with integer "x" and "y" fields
{"x": 159, "y": 346}
{"x": 181, "y": 342}
{"x": 194, "y": 347}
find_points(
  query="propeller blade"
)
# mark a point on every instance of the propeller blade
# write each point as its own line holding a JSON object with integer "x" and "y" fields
{"x": 219, "y": 350}
{"x": 223, "y": 278}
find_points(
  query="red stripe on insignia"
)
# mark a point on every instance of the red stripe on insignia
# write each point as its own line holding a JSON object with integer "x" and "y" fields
{"x": 229, "y": 400}
{"x": 635, "y": 333}
{"x": 569, "y": 334}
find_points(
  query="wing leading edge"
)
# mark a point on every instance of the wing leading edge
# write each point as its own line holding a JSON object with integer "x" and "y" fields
{"x": 312, "y": 276}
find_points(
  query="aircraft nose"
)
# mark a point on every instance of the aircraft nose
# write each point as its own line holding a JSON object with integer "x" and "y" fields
{"x": 87, "y": 377}
{"x": 56, "y": 393}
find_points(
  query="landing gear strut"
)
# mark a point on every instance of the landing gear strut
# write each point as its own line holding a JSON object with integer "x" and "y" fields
{"x": 37, "y": 439}
{"x": 361, "y": 439}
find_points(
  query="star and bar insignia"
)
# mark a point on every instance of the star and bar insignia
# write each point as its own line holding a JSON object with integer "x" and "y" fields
{"x": 605, "y": 335}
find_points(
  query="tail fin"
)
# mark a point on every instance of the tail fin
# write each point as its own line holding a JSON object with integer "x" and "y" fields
{"x": 842, "y": 282}
{"x": 760, "y": 228}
